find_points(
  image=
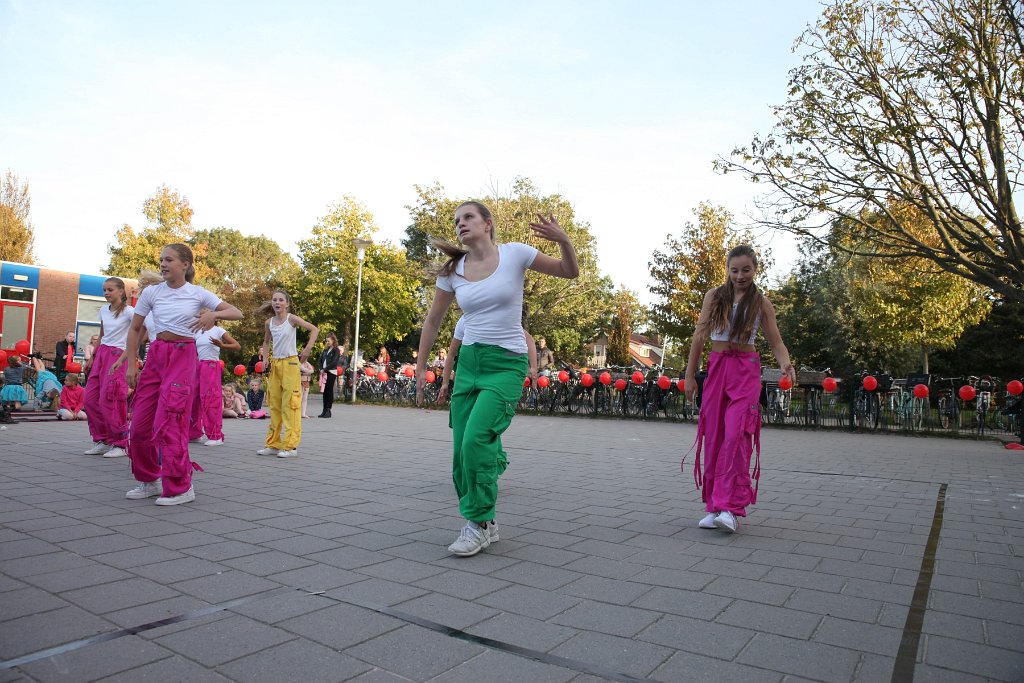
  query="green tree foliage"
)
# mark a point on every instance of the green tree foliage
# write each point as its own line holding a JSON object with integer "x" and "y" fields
{"x": 569, "y": 313}
{"x": 170, "y": 218}
{"x": 17, "y": 239}
{"x": 243, "y": 270}
{"x": 922, "y": 103}
{"x": 995, "y": 346}
{"x": 693, "y": 264}
{"x": 326, "y": 287}
{"x": 627, "y": 315}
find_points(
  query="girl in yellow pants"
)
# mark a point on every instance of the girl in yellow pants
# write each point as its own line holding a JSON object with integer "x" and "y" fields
{"x": 284, "y": 387}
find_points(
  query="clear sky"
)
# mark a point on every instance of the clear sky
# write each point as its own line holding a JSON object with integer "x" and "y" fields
{"x": 263, "y": 114}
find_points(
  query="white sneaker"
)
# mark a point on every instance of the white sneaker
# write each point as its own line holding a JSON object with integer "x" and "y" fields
{"x": 492, "y": 532}
{"x": 146, "y": 489}
{"x": 267, "y": 451}
{"x": 708, "y": 522}
{"x": 726, "y": 521}
{"x": 186, "y": 497}
{"x": 214, "y": 442}
{"x": 115, "y": 452}
{"x": 98, "y": 448}
{"x": 471, "y": 540}
{"x": 288, "y": 454}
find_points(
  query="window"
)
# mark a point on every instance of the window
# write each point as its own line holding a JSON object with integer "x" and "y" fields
{"x": 17, "y": 294}
{"x": 89, "y": 308}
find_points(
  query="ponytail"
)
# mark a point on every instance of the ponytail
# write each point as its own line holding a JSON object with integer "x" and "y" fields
{"x": 119, "y": 283}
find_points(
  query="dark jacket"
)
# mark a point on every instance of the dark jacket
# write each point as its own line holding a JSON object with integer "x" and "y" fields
{"x": 329, "y": 358}
{"x": 62, "y": 353}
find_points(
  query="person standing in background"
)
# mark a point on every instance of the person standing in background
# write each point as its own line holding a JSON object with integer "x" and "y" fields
{"x": 330, "y": 358}
{"x": 65, "y": 352}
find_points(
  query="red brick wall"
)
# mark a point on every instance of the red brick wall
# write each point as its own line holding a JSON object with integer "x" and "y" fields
{"x": 56, "y": 309}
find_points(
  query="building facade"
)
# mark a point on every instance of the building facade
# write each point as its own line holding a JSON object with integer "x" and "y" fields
{"x": 41, "y": 306}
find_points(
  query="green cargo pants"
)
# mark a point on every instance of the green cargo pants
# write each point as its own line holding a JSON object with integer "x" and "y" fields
{"x": 487, "y": 389}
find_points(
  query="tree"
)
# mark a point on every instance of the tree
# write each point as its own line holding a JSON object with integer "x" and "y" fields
{"x": 171, "y": 221}
{"x": 17, "y": 237}
{"x": 243, "y": 270}
{"x": 569, "y": 313}
{"x": 693, "y": 264}
{"x": 917, "y": 103}
{"x": 627, "y": 315}
{"x": 328, "y": 281}
{"x": 992, "y": 347}
{"x": 909, "y": 301}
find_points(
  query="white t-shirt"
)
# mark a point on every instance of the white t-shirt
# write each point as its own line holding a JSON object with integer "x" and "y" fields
{"x": 205, "y": 348}
{"x": 150, "y": 332}
{"x": 175, "y": 310}
{"x": 115, "y": 330}
{"x": 460, "y": 329}
{"x": 283, "y": 336}
{"x": 492, "y": 308}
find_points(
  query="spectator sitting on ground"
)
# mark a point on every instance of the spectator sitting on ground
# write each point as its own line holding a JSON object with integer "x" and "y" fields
{"x": 72, "y": 399}
{"x": 254, "y": 398}
{"x": 234, "y": 404}
{"x": 48, "y": 388}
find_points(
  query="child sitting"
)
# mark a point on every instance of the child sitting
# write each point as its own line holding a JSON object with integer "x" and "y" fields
{"x": 47, "y": 388}
{"x": 254, "y": 397}
{"x": 234, "y": 405}
{"x": 72, "y": 399}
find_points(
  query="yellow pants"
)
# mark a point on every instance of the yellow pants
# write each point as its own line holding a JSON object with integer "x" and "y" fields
{"x": 284, "y": 399}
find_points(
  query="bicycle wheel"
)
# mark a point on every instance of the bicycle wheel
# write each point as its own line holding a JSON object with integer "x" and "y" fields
{"x": 944, "y": 412}
{"x": 671, "y": 405}
{"x": 634, "y": 403}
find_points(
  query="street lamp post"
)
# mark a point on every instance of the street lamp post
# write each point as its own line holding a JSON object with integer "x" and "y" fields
{"x": 361, "y": 246}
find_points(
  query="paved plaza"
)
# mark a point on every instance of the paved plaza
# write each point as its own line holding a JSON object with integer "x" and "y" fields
{"x": 867, "y": 558}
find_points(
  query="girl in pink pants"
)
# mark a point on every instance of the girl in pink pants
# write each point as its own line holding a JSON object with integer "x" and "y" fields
{"x": 106, "y": 394}
{"x": 163, "y": 393}
{"x": 207, "y": 415}
{"x": 730, "y": 416}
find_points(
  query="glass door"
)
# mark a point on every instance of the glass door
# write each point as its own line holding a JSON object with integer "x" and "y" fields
{"x": 15, "y": 325}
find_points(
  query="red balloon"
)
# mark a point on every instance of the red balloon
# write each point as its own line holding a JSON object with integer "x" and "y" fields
{"x": 829, "y": 384}
{"x": 3, "y": 356}
{"x": 431, "y": 377}
{"x": 74, "y": 368}
{"x": 870, "y": 383}
{"x": 605, "y": 378}
{"x": 638, "y": 377}
{"x": 620, "y": 384}
{"x": 543, "y": 381}
{"x": 382, "y": 376}
{"x": 221, "y": 364}
{"x": 370, "y": 371}
{"x": 587, "y": 379}
{"x": 681, "y": 385}
{"x": 259, "y": 367}
{"x": 785, "y": 383}
{"x": 664, "y": 383}
{"x": 921, "y": 390}
{"x": 239, "y": 369}
{"x": 967, "y": 392}
{"x": 563, "y": 376}
{"x": 22, "y": 347}
{"x": 408, "y": 371}
{"x": 1014, "y": 388}
{"x": 526, "y": 382}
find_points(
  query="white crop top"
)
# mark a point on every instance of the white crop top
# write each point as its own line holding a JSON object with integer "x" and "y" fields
{"x": 150, "y": 332}
{"x": 205, "y": 348}
{"x": 115, "y": 330}
{"x": 283, "y": 337}
{"x": 493, "y": 307}
{"x": 723, "y": 335}
{"x": 175, "y": 310}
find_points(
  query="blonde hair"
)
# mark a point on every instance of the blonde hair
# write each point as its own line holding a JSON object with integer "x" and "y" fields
{"x": 184, "y": 253}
